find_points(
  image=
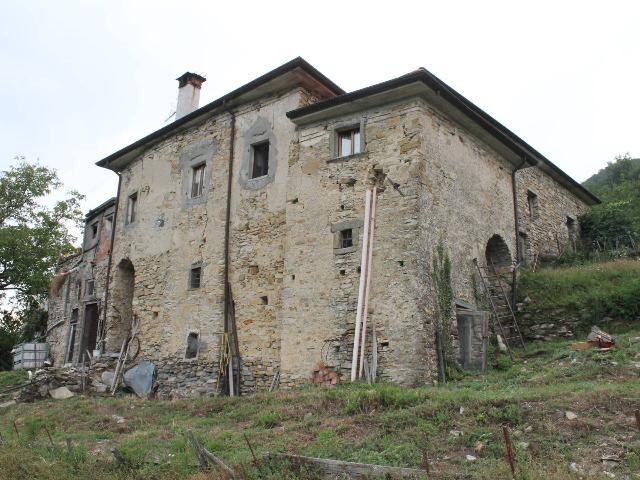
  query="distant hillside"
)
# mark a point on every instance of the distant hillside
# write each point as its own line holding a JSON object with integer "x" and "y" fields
{"x": 610, "y": 176}
{"x": 616, "y": 222}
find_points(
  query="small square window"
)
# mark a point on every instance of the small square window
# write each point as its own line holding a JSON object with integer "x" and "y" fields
{"x": 91, "y": 285}
{"x": 193, "y": 344}
{"x": 260, "y": 166}
{"x": 572, "y": 228}
{"x": 348, "y": 142}
{"x": 132, "y": 207}
{"x": 195, "y": 276}
{"x": 346, "y": 238}
{"x": 532, "y": 202}
{"x": 197, "y": 180}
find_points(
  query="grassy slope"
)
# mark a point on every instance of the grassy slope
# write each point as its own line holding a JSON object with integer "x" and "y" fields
{"x": 597, "y": 290}
{"x": 382, "y": 424}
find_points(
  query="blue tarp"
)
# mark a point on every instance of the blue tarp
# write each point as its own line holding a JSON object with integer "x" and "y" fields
{"x": 140, "y": 378}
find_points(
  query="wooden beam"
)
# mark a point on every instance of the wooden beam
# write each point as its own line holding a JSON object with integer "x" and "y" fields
{"x": 330, "y": 468}
{"x": 367, "y": 287}
{"x": 363, "y": 279}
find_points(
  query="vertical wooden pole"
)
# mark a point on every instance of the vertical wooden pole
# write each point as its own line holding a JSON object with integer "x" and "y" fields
{"x": 363, "y": 276}
{"x": 638, "y": 419}
{"x": 365, "y": 310}
{"x": 232, "y": 390}
{"x": 510, "y": 456}
{"x": 69, "y": 447}
{"x": 48, "y": 435}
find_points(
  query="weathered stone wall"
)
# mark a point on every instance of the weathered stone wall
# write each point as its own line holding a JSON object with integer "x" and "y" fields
{"x": 437, "y": 182}
{"x": 294, "y": 290}
{"x": 73, "y": 293}
{"x": 172, "y": 232}
{"x": 59, "y": 311}
{"x": 544, "y": 231}
{"x": 321, "y": 284}
{"x": 465, "y": 199}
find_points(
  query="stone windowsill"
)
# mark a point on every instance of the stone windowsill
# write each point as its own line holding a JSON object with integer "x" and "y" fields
{"x": 346, "y": 158}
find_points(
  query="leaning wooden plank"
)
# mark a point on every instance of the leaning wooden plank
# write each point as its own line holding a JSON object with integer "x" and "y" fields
{"x": 365, "y": 308}
{"x": 219, "y": 463}
{"x": 199, "y": 451}
{"x": 329, "y": 468}
{"x": 363, "y": 279}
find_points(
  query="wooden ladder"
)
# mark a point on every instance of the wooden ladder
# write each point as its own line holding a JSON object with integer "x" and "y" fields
{"x": 502, "y": 311}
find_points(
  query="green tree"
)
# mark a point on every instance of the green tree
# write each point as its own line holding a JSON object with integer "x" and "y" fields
{"x": 615, "y": 222}
{"x": 35, "y": 232}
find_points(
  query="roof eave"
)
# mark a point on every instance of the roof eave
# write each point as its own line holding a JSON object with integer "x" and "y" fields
{"x": 117, "y": 160}
{"x": 435, "y": 90}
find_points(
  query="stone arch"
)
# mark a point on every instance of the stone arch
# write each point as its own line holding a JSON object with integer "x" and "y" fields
{"x": 497, "y": 254}
{"x": 122, "y": 292}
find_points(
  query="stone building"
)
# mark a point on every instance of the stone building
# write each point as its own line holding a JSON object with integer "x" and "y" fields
{"x": 251, "y": 208}
{"x": 76, "y": 300}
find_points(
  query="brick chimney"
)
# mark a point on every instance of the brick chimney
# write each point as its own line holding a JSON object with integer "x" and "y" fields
{"x": 189, "y": 86}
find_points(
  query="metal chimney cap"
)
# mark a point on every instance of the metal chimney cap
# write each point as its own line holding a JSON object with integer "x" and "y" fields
{"x": 192, "y": 78}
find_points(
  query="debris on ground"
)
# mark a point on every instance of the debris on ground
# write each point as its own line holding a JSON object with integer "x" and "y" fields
{"x": 570, "y": 415}
{"x": 118, "y": 419}
{"x": 600, "y": 338}
{"x": 141, "y": 378}
{"x": 62, "y": 383}
{"x": 323, "y": 376}
{"x": 61, "y": 393}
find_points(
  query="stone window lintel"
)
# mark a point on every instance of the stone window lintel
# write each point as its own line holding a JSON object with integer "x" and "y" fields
{"x": 338, "y": 127}
{"x": 355, "y": 225}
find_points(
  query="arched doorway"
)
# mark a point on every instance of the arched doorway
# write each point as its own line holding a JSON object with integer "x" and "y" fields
{"x": 497, "y": 255}
{"x": 121, "y": 302}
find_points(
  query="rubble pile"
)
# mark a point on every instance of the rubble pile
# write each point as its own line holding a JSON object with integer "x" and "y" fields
{"x": 323, "y": 376}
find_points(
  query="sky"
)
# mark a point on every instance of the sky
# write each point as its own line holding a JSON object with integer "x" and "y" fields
{"x": 82, "y": 79}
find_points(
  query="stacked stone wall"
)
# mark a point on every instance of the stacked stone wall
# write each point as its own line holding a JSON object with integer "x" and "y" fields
{"x": 173, "y": 232}
{"x": 544, "y": 232}
{"x": 73, "y": 294}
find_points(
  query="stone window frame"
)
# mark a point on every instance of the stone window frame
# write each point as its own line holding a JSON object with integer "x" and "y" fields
{"x": 127, "y": 213}
{"x": 254, "y": 148}
{"x": 91, "y": 240}
{"x": 90, "y": 282}
{"x": 355, "y": 225}
{"x": 192, "y": 267}
{"x": 260, "y": 132}
{"x": 193, "y": 156}
{"x": 71, "y": 337}
{"x": 573, "y": 232}
{"x": 186, "y": 342}
{"x": 343, "y": 126}
{"x": 201, "y": 169}
{"x": 533, "y": 199}
{"x": 523, "y": 247}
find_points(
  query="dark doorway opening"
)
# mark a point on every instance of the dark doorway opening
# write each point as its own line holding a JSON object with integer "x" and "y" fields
{"x": 497, "y": 255}
{"x": 90, "y": 330}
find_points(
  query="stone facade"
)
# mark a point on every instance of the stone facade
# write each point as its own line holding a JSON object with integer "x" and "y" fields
{"x": 77, "y": 295}
{"x": 294, "y": 284}
{"x": 548, "y": 215}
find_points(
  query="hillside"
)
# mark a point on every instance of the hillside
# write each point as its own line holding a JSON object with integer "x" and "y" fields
{"x": 606, "y": 294}
{"x": 606, "y": 178}
{"x": 382, "y": 424}
{"x": 614, "y": 224}
{"x": 571, "y": 413}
